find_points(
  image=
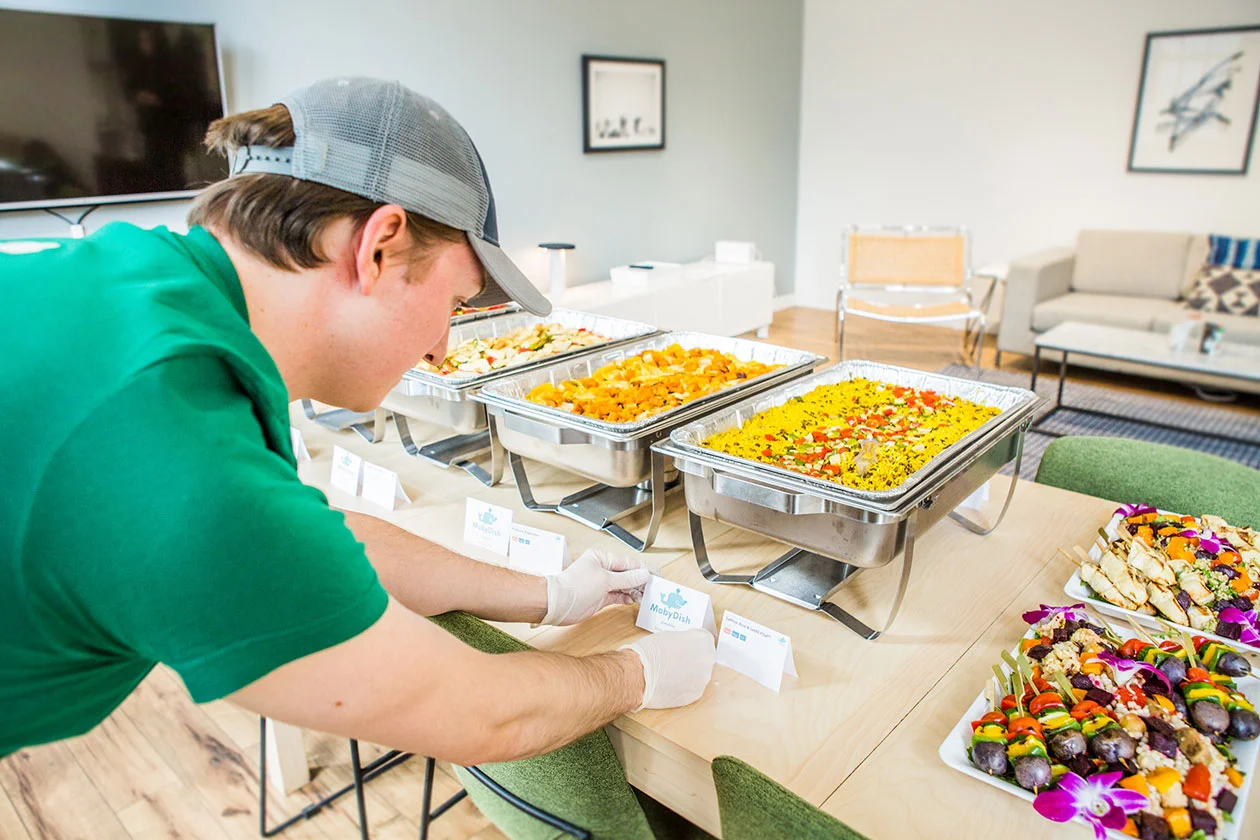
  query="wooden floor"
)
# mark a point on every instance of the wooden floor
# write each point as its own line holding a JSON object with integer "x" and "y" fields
{"x": 162, "y": 767}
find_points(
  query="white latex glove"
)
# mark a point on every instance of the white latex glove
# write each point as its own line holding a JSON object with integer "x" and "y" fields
{"x": 677, "y": 666}
{"x": 594, "y": 581}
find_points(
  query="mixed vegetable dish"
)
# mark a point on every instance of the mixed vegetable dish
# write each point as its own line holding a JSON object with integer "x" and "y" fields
{"x": 1141, "y": 726}
{"x": 481, "y": 355}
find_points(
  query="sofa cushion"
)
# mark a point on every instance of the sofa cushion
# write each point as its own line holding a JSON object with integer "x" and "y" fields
{"x": 1223, "y": 289}
{"x": 1243, "y": 329}
{"x": 1134, "y": 263}
{"x": 1112, "y": 310}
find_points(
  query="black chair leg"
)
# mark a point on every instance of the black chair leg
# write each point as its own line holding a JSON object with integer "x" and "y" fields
{"x": 362, "y": 775}
{"x": 427, "y": 814}
{"x": 356, "y": 767}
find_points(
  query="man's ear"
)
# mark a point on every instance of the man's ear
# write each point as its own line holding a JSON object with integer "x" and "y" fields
{"x": 383, "y": 242}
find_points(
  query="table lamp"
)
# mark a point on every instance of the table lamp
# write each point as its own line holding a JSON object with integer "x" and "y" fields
{"x": 557, "y": 251}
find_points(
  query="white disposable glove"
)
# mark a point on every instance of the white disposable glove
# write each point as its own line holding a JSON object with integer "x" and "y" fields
{"x": 677, "y": 666}
{"x": 594, "y": 581}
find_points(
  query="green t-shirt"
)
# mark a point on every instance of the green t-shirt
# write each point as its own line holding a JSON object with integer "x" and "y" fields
{"x": 151, "y": 509}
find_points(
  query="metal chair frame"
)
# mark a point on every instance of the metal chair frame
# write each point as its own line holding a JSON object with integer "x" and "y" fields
{"x": 364, "y": 773}
{"x": 961, "y": 292}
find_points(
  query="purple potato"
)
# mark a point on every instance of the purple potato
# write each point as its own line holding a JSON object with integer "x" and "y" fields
{"x": 1113, "y": 745}
{"x": 1244, "y": 724}
{"x": 990, "y": 757}
{"x": 1233, "y": 665}
{"x": 1032, "y": 772}
{"x": 1068, "y": 744}
{"x": 1173, "y": 668}
{"x": 1209, "y": 717}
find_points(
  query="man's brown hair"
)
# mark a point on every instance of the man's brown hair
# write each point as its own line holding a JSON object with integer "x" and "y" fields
{"x": 280, "y": 219}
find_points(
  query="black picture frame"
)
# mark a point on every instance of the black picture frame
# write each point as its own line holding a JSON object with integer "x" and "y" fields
{"x": 1253, "y": 99}
{"x": 596, "y": 106}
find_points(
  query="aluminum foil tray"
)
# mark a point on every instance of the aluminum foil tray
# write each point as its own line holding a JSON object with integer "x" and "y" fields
{"x": 498, "y": 311}
{"x": 416, "y": 383}
{"x": 1015, "y": 405}
{"x": 510, "y": 392}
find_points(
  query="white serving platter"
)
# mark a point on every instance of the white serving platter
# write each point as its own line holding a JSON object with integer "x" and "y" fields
{"x": 953, "y": 751}
{"x": 1075, "y": 588}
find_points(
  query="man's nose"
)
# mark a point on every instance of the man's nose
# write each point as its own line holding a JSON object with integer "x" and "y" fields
{"x": 437, "y": 354}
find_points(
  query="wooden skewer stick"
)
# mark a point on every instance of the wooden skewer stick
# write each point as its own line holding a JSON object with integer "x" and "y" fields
{"x": 1071, "y": 557}
{"x": 1141, "y": 634}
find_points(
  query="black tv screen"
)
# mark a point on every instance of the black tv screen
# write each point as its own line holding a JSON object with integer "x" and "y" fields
{"x": 96, "y": 110}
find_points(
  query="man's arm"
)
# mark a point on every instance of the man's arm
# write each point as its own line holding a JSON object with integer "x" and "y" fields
{"x": 430, "y": 580}
{"x": 407, "y": 683}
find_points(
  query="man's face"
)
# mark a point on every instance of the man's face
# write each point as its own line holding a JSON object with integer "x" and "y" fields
{"x": 414, "y": 304}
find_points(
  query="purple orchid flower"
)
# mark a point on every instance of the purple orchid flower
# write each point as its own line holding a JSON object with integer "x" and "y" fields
{"x": 1124, "y": 669}
{"x": 1134, "y": 510}
{"x": 1249, "y": 620}
{"x": 1075, "y": 612}
{"x": 1095, "y": 800}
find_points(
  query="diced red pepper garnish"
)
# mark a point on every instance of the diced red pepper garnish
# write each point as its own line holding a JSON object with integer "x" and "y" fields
{"x": 1198, "y": 783}
{"x": 766, "y": 452}
{"x": 833, "y": 469}
{"x": 770, "y": 437}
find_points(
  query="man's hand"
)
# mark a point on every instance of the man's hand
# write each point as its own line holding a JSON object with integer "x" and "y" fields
{"x": 595, "y": 580}
{"x": 677, "y": 666}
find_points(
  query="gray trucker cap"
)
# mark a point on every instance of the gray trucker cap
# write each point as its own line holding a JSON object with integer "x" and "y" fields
{"x": 387, "y": 143}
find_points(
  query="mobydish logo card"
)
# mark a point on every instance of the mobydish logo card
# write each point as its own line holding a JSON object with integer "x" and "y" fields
{"x": 671, "y": 606}
{"x": 347, "y": 469}
{"x": 382, "y": 487}
{"x": 300, "y": 452}
{"x": 536, "y": 551}
{"x": 488, "y": 526}
{"x": 755, "y": 651}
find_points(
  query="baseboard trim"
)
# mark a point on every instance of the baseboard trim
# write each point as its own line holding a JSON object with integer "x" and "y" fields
{"x": 784, "y": 301}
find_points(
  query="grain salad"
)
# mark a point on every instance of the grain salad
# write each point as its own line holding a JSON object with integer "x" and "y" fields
{"x": 860, "y": 433}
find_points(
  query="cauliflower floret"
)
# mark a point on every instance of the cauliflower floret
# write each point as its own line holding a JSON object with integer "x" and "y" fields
{"x": 1174, "y": 797}
{"x": 1087, "y": 638}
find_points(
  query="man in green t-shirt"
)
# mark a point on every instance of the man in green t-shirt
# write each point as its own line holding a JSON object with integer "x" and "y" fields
{"x": 152, "y": 510}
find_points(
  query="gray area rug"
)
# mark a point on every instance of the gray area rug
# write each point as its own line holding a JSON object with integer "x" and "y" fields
{"x": 1212, "y": 419}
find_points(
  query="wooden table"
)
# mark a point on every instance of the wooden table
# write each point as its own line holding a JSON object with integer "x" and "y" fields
{"x": 857, "y": 733}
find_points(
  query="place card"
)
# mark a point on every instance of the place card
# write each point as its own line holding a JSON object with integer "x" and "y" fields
{"x": 300, "y": 452}
{"x": 382, "y": 487}
{"x": 977, "y": 499}
{"x": 671, "y": 606}
{"x": 535, "y": 551}
{"x": 347, "y": 470}
{"x": 487, "y": 526}
{"x": 755, "y": 651}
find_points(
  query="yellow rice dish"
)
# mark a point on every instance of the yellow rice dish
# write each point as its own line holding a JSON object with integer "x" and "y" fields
{"x": 647, "y": 384}
{"x": 863, "y": 434}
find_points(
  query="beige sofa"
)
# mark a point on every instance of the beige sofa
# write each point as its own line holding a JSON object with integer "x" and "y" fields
{"x": 1134, "y": 279}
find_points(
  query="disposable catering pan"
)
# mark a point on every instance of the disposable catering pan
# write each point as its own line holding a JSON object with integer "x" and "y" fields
{"x": 838, "y": 530}
{"x": 618, "y": 456}
{"x": 447, "y": 400}
{"x": 371, "y": 424}
{"x": 481, "y": 314}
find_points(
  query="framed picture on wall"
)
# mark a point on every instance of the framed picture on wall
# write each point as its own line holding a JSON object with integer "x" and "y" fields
{"x": 1196, "y": 106}
{"x": 623, "y": 104}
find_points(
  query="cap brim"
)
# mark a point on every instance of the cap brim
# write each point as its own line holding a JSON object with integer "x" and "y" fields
{"x": 504, "y": 281}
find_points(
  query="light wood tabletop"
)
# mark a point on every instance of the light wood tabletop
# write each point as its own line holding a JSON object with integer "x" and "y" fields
{"x": 840, "y": 735}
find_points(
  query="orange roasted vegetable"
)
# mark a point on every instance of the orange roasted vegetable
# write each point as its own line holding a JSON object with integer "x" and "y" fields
{"x": 649, "y": 383}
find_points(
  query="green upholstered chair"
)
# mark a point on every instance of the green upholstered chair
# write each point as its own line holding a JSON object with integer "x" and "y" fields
{"x": 582, "y": 783}
{"x": 755, "y": 807}
{"x": 1168, "y": 477}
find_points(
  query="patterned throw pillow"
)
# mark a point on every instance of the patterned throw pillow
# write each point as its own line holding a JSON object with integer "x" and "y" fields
{"x": 1223, "y": 288}
{"x": 1234, "y": 252}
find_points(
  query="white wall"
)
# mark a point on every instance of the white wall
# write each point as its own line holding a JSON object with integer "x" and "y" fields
{"x": 1012, "y": 118}
{"x": 509, "y": 71}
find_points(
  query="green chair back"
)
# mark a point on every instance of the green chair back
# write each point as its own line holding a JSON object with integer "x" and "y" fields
{"x": 1168, "y": 477}
{"x": 755, "y": 807}
{"x": 582, "y": 783}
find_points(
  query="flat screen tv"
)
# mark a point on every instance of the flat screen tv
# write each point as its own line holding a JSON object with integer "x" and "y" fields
{"x": 98, "y": 110}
